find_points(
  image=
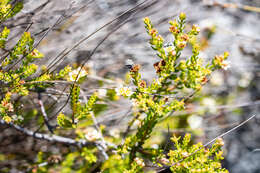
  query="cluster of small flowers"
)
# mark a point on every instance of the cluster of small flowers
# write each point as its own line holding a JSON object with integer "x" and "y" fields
{"x": 139, "y": 162}
{"x": 7, "y": 105}
{"x": 135, "y": 103}
{"x": 124, "y": 91}
{"x": 170, "y": 50}
{"x": 221, "y": 61}
{"x": 220, "y": 142}
{"x": 80, "y": 73}
{"x": 92, "y": 134}
{"x": 225, "y": 64}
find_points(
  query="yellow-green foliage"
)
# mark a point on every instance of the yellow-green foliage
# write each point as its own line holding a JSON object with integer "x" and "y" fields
{"x": 15, "y": 78}
{"x": 149, "y": 100}
{"x": 3, "y": 37}
{"x": 7, "y": 10}
{"x": 195, "y": 158}
{"x": 64, "y": 121}
{"x": 84, "y": 159}
{"x": 88, "y": 108}
{"x": 173, "y": 75}
{"x": 75, "y": 104}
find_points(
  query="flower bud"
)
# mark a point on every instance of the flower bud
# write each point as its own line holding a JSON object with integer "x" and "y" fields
{"x": 146, "y": 20}
{"x": 226, "y": 54}
{"x": 142, "y": 84}
{"x": 185, "y": 37}
{"x": 182, "y": 16}
{"x": 220, "y": 142}
{"x": 135, "y": 68}
{"x": 181, "y": 44}
{"x": 153, "y": 32}
{"x": 174, "y": 29}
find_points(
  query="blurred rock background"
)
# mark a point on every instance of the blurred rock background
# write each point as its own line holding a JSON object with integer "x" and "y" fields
{"x": 230, "y": 97}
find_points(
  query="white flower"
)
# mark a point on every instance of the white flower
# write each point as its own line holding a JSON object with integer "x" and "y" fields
{"x": 102, "y": 92}
{"x": 169, "y": 49}
{"x": 225, "y": 64}
{"x": 124, "y": 91}
{"x": 15, "y": 117}
{"x": 195, "y": 121}
{"x": 77, "y": 72}
{"x": 20, "y": 118}
{"x": 92, "y": 134}
{"x": 139, "y": 161}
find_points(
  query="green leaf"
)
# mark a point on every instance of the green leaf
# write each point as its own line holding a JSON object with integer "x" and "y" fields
{"x": 64, "y": 121}
{"x": 3, "y": 37}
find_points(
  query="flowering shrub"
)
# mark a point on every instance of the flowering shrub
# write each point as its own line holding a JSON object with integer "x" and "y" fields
{"x": 96, "y": 150}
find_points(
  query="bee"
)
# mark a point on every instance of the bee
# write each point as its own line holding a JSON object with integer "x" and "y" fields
{"x": 129, "y": 63}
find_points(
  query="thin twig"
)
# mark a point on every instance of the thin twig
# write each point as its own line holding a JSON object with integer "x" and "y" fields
{"x": 89, "y": 57}
{"x": 102, "y": 27}
{"x": 235, "y": 6}
{"x": 94, "y": 50}
{"x": 36, "y": 45}
{"x": 229, "y": 131}
{"x": 50, "y": 138}
{"x": 45, "y": 117}
{"x": 53, "y": 81}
